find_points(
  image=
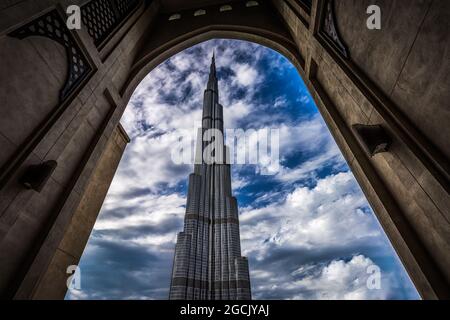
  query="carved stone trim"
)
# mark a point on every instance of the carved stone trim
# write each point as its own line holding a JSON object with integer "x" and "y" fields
{"x": 51, "y": 25}
{"x": 329, "y": 28}
{"x": 50, "y": 237}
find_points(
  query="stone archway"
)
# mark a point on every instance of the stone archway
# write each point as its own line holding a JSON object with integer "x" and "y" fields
{"x": 44, "y": 228}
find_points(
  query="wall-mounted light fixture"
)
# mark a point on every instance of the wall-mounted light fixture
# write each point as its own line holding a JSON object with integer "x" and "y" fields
{"x": 250, "y": 4}
{"x": 226, "y": 7}
{"x": 36, "y": 176}
{"x": 373, "y": 138}
{"x": 175, "y": 16}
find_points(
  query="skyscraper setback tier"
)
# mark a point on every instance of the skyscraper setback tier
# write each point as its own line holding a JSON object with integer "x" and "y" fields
{"x": 208, "y": 264}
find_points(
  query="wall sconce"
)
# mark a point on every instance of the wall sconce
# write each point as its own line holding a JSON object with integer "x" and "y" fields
{"x": 36, "y": 176}
{"x": 226, "y": 7}
{"x": 175, "y": 16}
{"x": 373, "y": 138}
{"x": 199, "y": 12}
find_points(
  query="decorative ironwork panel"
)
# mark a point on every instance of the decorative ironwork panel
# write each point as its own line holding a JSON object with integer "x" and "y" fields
{"x": 52, "y": 26}
{"x": 126, "y": 6}
{"x": 330, "y": 30}
{"x": 101, "y": 17}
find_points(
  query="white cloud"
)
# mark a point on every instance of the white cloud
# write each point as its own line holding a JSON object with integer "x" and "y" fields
{"x": 181, "y": 62}
{"x": 280, "y": 102}
{"x": 309, "y": 167}
{"x": 337, "y": 280}
{"x": 315, "y": 142}
{"x": 147, "y": 209}
{"x": 235, "y": 112}
{"x": 76, "y": 295}
{"x": 238, "y": 182}
{"x": 148, "y": 164}
{"x": 319, "y": 217}
{"x": 245, "y": 75}
{"x": 160, "y": 104}
{"x": 344, "y": 280}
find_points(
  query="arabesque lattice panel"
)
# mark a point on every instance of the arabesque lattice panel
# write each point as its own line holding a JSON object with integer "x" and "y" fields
{"x": 51, "y": 25}
{"x": 101, "y": 17}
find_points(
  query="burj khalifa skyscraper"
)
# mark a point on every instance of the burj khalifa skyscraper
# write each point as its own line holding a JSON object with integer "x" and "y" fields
{"x": 208, "y": 264}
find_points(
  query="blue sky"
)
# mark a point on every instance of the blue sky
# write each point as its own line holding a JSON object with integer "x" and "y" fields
{"x": 307, "y": 230}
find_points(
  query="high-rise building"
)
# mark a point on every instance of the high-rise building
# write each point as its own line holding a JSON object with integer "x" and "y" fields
{"x": 208, "y": 264}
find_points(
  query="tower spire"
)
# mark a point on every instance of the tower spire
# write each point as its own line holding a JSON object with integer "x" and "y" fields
{"x": 212, "y": 81}
{"x": 213, "y": 65}
{"x": 208, "y": 262}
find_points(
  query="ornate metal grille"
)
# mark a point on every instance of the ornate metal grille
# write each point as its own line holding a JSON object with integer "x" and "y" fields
{"x": 52, "y": 26}
{"x": 101, "y": 17}
{"x": 329, "y": 29}
{"x": 125, "y": 6}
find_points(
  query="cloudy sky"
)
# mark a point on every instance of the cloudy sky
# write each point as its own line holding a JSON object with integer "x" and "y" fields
{"x": 307, "y": 230}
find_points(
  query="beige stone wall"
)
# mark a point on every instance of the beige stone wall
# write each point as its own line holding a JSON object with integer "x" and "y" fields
{"x": 407, "y": 59}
